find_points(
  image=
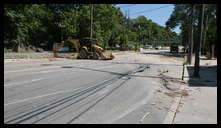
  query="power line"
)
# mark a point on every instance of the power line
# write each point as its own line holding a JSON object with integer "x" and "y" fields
{"x": 151, "y": 9}
{"x": 127, "y": 6}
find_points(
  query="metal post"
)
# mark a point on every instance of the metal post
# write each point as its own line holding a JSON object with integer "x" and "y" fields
{"x": 183, "y": 72}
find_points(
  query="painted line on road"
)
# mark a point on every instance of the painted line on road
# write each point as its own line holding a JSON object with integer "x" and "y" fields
{"x": 25, "y": 82}
{"x": 14, "y": 84}
{"x": 45, "y": 95}
{"x": 37, "y": 68}
{"x": 30, "y": 69}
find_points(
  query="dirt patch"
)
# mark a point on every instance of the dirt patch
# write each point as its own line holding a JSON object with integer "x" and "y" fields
{"x": 172, "y": 85}
{"x": 172, "y": 58}
{"x": 177, "y": 93}
{"x": 168, "y": 82}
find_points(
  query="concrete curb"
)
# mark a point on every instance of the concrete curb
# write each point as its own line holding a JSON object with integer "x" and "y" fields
{"x": 6, "y": 61}
{"x": 173, "y": 109}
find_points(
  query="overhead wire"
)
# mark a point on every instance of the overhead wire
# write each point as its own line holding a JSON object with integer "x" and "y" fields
{"x": 127, "y": 6}
{"x": 151, "y": 9}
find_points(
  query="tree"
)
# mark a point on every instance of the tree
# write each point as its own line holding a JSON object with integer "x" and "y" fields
{"x": 180, "y": 17}
{"x": 199, "y": 41}
{"x": 41, "y": 25}
{"x": 190, "y": 38}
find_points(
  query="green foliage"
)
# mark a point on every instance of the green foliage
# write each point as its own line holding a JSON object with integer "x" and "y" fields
{"x": 41, "y": 25}
{"x": 180, "y": 17}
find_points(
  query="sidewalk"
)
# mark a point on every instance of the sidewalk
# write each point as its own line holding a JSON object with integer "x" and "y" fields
{"x": 200, "y": 106}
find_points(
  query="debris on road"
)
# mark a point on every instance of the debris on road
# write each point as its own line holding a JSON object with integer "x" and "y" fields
{"x": 141, "y": 120}
{"x": 177, "y": 93}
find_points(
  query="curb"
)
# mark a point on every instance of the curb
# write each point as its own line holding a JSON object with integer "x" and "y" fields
{"x": 173, "y": 109}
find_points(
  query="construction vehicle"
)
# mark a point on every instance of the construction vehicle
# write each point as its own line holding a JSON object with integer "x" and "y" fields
{"x": 86, "y": 48}
{"x": 176, "y": 48}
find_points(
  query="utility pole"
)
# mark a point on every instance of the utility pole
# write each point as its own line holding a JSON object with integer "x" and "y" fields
{"x": 205, "y": 30}
{"x": 190, "y": 51}
{"x": 91, "y": 20}
{"x": 198, "y": 43}
{"x": 140, "y": 37}
{"x": 129, "y": 18}
{"x": 126, "y": 26}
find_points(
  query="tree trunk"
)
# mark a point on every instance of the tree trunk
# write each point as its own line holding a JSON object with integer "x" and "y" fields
{"x": 18, "y": 48}
{"x": 213, "y": 51}
{"x": 190, "y": 51}
{"x": 198, "y": 42}
{"x": 205, "y": 30}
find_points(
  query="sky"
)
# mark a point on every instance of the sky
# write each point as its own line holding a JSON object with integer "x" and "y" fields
{"x": 158, "y": 13}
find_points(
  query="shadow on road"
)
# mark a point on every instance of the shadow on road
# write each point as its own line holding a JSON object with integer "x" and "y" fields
{"x": 208, "y": 76}
{"x": 166, "y": 53}
{"x": 124, "y": 74}
{"x": 47, "y": 64}
{"x": 117, "y": 62}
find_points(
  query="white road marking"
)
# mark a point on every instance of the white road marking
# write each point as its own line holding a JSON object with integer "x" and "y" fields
{"x": 45, "y": 95}
{"x": 42, "y": 72}
{"x": 24, "y": 82}
{"x": 50, "y": 93}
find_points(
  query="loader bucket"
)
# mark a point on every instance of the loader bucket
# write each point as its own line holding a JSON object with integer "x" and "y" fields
{"x": 107, "y": 56}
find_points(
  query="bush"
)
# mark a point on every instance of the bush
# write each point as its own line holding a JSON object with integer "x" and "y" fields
{"x": 7, "y": 50}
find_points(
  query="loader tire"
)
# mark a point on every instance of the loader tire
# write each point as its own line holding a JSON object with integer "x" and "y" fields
{"x": 96, "y": 56}
{"x": 83, "y": 54}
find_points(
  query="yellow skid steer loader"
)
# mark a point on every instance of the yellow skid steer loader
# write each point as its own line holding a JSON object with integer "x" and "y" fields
{"x": 86, "y": 48}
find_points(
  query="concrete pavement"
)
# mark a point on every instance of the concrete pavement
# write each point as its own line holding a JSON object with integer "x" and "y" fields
{"x": 132, "y": 88}
{"x": 200, "y": 107}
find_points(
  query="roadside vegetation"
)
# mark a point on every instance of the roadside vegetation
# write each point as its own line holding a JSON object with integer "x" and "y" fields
{"x": 34, "y": 26}
{"x": 180, "y": 17}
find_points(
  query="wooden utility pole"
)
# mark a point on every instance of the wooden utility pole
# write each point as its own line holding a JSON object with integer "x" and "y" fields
{"x": 198, "y": 43}
{"x": 91, "y": 21}
{"x": 125, "y": 29}
{"x": 205, "y": 31}
{"x": 190, "y": 51}
{"x": 140, "y": 37}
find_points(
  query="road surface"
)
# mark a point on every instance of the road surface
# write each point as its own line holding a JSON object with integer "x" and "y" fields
{"x": 128, "y": 89}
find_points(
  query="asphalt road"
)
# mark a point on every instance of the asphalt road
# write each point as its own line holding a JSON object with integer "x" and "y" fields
{"x": 123, "y": 90}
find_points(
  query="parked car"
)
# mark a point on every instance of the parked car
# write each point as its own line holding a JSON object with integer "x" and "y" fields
{"x": 177, "y": 48}
{"x": 148, "y": 46}
{"x": 174, "y": 48}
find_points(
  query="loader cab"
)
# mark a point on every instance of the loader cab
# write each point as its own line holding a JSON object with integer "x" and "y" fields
{"x": 71, "y": 45}
{"x": 88, "y": 42}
